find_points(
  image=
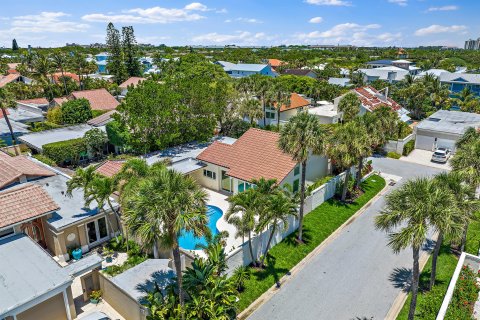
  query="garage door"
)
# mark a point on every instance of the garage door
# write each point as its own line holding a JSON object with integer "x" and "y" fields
{"x": 444, "y": 143}
{"x": 424, "y": 143}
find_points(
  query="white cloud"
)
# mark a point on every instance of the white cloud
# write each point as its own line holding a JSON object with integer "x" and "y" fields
{"x": 196, "y": 6}
{"x": 239, "y": 37}
{"x": 151, "y": 15}
{"x": 338, "y": 31}
{"x": 329, "y": 2}
{"x": 316, "y": 20}
{"x": 435, "y": 28}
{"x": 401, "y": 3}
{"x": 223, "y": 10}
{"x": 45, "y": 22}
{"x": 246, "y": 20}
{"x": 444, "y": 8}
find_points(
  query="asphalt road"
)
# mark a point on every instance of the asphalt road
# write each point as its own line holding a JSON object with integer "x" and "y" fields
{"x": 356, "y": 275}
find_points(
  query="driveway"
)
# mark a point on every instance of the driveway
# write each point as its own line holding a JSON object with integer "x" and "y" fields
{"x": 424, "y": 157}
{"x": 356, "y": 275}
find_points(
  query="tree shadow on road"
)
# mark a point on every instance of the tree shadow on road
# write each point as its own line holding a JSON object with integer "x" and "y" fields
{"x": 401, "y": 278}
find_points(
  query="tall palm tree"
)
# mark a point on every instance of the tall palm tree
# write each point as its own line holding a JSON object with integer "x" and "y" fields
{"x": 261, "y": 86}
{"x": 60, "y": 60}
{"x": 250, "y": 107}
{"x": 279, "y": 96}
{"x": 43, "y": 69}
{"x": 451, "y": 219}
{"x": 407, "y": 217}
{"x": 470, "y": 135}
{"x": 300, "y": 137}
{"x": 242, "y": 214}
{"x": 162, "y": 206}
{"x": 364, "y": 143}
{"x": 7, "y": 100}
{"x": 346, "y": 147}
{"x": 276, "y": 208}
{"x": 350, "y": 106}
{"x": 80, "y": 65}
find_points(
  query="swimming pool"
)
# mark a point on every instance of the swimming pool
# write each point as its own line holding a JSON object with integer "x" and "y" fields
{"x": 188, "y": 241}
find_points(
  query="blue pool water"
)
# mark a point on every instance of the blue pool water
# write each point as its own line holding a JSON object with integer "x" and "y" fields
{"x": 188, "y": 241}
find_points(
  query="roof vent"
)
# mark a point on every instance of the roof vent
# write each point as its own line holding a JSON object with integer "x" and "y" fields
{"x": 433, "y": 119}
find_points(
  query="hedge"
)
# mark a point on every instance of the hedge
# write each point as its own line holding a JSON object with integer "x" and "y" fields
{"x": 393, "y": 155}
{"x": 408, "y": 147}
{"x": 68, "y": 151}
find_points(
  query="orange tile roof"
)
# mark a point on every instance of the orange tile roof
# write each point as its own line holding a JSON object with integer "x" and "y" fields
{"x": 57, "y": 75}
{"x": 274, "y": 63}
{"x": 110, "y": 168}
{"x": 59, "y": 101}
{"x": 254, "y": 155}
{"x": 12, "y": 71}
{"x": 36, "y": 101}
{"x": 296, "y": 101}
{"x": 371, "y": 99}
{"x": 12, "y": 168}
{"x": 100, "y": 99}
{"x": 8, "y": 78}
{"x": 24, "y": 202}
{"x": 131, "y": 81}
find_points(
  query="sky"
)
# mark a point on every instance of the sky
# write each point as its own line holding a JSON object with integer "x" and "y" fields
{"x": 406, "y": 23}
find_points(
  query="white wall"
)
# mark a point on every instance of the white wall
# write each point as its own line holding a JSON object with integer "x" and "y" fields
{"x": 398, "y": 145}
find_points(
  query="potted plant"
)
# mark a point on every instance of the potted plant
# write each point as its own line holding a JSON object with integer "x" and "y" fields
{"x": 108, "y": 254}
{"x": 77, "y": 254}
{"x": 95, "y": 296}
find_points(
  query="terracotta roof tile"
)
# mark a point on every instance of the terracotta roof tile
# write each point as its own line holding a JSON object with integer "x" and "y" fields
{"x": 296, "y": 101}
{"x": 36, "y": 101}
{"x": 24, "y": 202}
{"x": 254, "y": 155}
{"x": 12, "y": 168}
{"x": 59, "y": 101}
{"x": 8, "y": 78}
{"x": 131, "y": 81}
{"x": 372, "y": 99}
{"x": 100, "y": 99}
{"x": 110, "y": 168}
{"x": 57, "y": 75}
{"x": 275, "y": 63}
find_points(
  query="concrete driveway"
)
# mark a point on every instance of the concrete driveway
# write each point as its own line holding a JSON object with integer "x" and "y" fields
{"x": 356, "y": 275}
{"x": 424, "y": 157}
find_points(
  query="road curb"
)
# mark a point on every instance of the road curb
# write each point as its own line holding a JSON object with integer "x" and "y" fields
{"x": 402, "y": 296}
{"x": 299, "y": 266}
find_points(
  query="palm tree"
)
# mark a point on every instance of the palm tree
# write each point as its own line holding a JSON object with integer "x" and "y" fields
{"x": 364, "y": 143}
{"x": 261, "y": 86}
{"x": 241, "y": 213}
{"x": 7, "y": 100}
{"x": 469, "y": 136}
{"x": 350, "y": 106}
{"x": 450, "y": 221}
{"x": 346, "y": 147}
{"x": 80, "y": 64}
{"x": 276, "y": 208}
{"x": 163, "y": 205}
{"x": 61, "y": 60}
{"x": 215, "y": 251}
{"x": 302, "y": 135}
{"x": 251, "y": 108}
{"x": 43, "y": 68}
{"x": 279, "y": 97}
{"x": 407, "y": 217}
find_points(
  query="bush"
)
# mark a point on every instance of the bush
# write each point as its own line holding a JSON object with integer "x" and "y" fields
{"x": 44, "y": 159}
{"x": 318, "y": 183}
{"x": 62, "y": 152}
{"x": 54, "y": 115}
{"x": 76, "y": 111}
{"x": 96, "y": 113}
{"x": 408, "y": 147}
{"x": 393, "y": 155}
{"x": 117, "y": 134}
{"x": 235, "y": 128}
{"x": 464, "y": 296}
{"x": 42, "y": 126}
{"x": 95, "y": 140}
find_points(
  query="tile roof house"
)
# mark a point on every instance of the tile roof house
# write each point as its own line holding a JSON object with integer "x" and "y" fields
{"x": 100, "y": 99}
{"x": 9, "y": 78}
{"x": 132, "y": 81}
{"x": 40, "y": 103}
{"x": 34, "y": 201}
{"x": 110, "y": 168}
{"x": 372, "y": 99}
{"x": 232, "y": 167}
{"x": 298, "y": 103}
{"x": 58, "y": 75}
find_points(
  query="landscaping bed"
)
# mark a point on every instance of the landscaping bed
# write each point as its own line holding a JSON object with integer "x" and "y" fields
{"x": 318, "y": 225}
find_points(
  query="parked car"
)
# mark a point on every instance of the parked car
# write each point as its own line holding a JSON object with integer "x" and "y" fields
{"x": 441, "y": 155}
{"x": 97, "y": 315}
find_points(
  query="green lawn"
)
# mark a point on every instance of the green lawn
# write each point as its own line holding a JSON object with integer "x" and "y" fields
{"x": 429, "y": 302}
{"x": 318, "y": 225}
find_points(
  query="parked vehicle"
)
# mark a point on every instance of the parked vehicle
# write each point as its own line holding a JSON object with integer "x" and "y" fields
{"x": 441, "y": 155}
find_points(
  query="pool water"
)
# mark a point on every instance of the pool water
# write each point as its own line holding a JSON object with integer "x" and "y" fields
{"x": 188, "y": 241}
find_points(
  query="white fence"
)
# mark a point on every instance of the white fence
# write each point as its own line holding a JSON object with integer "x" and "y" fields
{"x": 242, "y": 257}
{"x": 398, "y": 145}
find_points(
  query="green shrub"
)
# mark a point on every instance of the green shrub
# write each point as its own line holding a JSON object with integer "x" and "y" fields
{"x": 76, "y": 111}
{"x": 464, "y": 296}
{"x": 319, "y": 182}
{"x": 408, "y": 147}
{"x": 44, "y": 159}
{"x": 42, "y": 126}
{"x": 393, "y": 155}
{"x": 117, "y": 134}
{"x": 69, "y": 151}
{"x": 96, "y": 113}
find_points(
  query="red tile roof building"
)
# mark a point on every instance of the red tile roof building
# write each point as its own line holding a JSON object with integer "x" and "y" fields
{"x": 110, "y": 168}
{"x": 35, "y": 102}
{"x": 58, "y": 75}
{"x": 100, "y": 99}
{"x": 24, "y": 202}
{"x": 11, "y": 77}
{"x": 13, "y": 169}
{"x": 296, "y": 101}
{"x": 372, "y": 99}
{"x": 254, "y": 155}
{"x": 131, "y": 81}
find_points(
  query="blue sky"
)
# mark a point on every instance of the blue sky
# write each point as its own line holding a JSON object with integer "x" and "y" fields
{"x": 243, "y": 22}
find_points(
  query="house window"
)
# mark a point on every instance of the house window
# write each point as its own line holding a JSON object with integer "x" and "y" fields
{"x": 243, "y": 186}
{"x": 296, "y": 185}
{"x": 97, "y": 230}
{"x": 209, "y": 174}
{"x": 6, "y": 232}
{"x": 296, "y": 171}
{"x": 269, "y": 114}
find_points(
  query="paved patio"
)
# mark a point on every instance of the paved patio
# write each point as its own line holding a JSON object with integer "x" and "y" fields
{"x": 424, "y": 157}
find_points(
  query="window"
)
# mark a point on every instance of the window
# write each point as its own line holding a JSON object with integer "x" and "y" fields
{"x": 243, "y": 186}
{"x": 6, "y": 232}
{"x": 296, "y": 185}
{"x": 269, "y": 114}
{"x": 296, "y": 171}
{"x": 209, "y": 174}
{"x": 97, "y": 230}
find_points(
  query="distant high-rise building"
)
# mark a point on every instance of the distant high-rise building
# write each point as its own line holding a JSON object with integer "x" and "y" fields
{"x": 472, "y": 44}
